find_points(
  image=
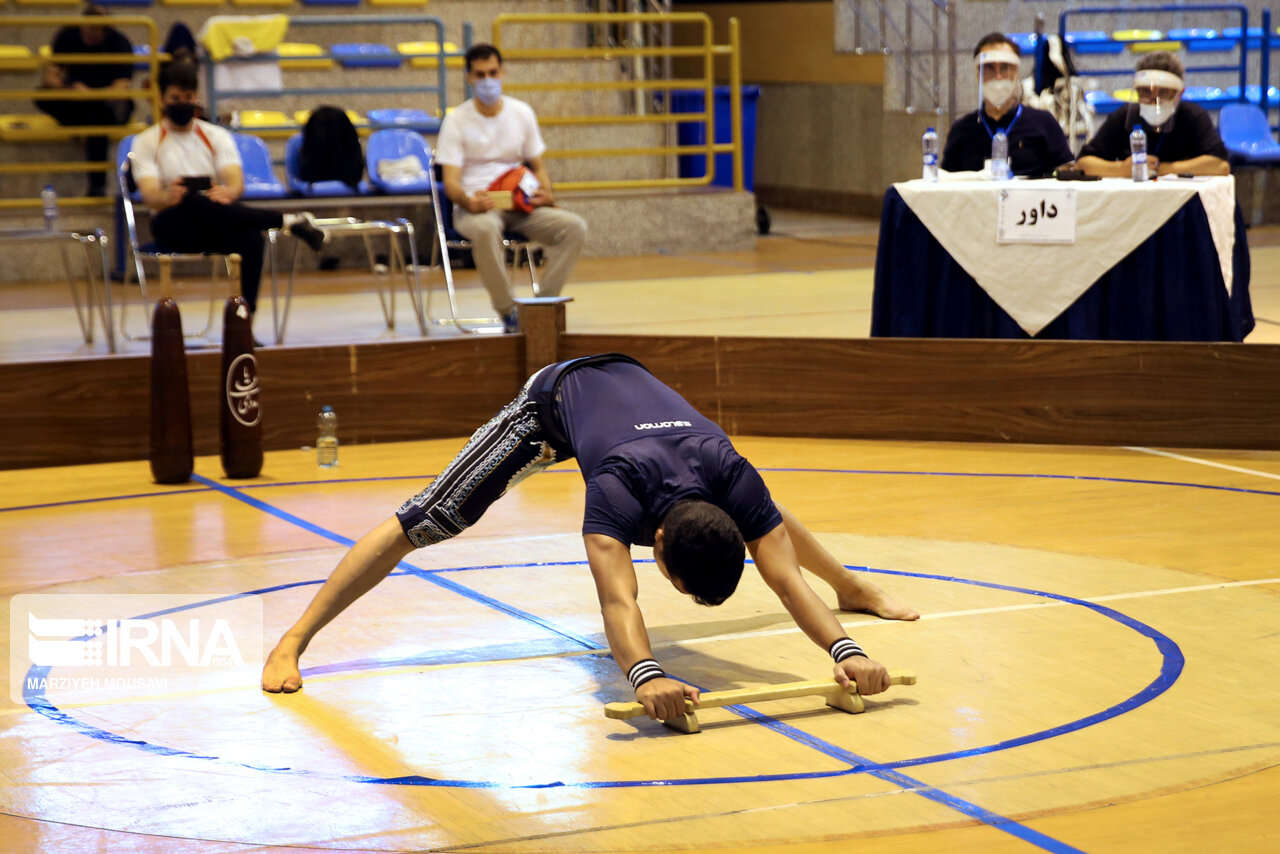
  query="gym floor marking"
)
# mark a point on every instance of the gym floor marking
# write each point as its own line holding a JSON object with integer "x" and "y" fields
{"x": 1198, "y": 461}
{"x": 882, "y": 770}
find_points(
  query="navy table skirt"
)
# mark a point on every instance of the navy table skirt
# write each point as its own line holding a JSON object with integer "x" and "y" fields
{"x": 1169, "y": 288}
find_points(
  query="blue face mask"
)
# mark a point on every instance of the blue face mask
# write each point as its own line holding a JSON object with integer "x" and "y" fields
{"x": 488, "y": 90}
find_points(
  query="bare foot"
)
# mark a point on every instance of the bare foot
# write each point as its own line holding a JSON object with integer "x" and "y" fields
{"x": 280, "y": 673}
{"x": 862, "y": 595}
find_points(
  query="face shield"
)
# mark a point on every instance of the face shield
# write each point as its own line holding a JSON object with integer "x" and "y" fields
{"x": 997, "y": 76}
{"x": 1158, "y": 95}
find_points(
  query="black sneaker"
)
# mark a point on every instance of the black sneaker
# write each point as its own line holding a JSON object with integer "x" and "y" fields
{"x": 309, "y": 233}
{"x": 511, "y": 323}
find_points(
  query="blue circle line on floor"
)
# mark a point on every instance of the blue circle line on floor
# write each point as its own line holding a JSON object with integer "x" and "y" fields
{"x": 1172, "y": 663}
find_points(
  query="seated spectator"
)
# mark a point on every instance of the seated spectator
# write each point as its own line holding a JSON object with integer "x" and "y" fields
{"x": 1180, "y": 136}
{"x": 107, "y": 75}
{"x": 174, "y": 158}
{"x": 1037, "y": 145}
{"x": 482, "y": 141}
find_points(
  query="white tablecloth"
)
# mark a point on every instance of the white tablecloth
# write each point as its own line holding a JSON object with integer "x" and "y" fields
{"x": 1035, "y": 283}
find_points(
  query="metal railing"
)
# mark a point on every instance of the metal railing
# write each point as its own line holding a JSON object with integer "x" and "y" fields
{"x": 151, "y": 93}
{"x": 707, "y": 51}
{"x": 439, "y": 89}
{"x": 920, "y": 38}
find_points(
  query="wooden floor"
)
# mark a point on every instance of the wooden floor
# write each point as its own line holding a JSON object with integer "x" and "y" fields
{"x": 1098, "y": 661}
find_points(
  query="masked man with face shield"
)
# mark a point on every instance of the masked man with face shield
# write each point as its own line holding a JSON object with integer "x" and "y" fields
{"x": 1037, "y": 144}
{"x": 1181, "y": 137}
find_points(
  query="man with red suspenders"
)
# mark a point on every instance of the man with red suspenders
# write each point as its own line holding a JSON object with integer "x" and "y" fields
{"x": 188, "y": 172}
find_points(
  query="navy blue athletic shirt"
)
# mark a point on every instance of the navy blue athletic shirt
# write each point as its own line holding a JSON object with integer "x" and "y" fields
{"x": 642, "y": 448}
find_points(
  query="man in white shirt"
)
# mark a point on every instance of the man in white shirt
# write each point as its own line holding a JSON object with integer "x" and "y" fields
{"x": 481, "y": 141}
{"x": 189, "y": 173}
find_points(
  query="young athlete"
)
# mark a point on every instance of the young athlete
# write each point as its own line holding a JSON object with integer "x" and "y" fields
{"x": 658, "y": 474}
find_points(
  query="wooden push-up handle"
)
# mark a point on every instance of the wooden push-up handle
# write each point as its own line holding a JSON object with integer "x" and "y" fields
{"x": 836, "y": 697}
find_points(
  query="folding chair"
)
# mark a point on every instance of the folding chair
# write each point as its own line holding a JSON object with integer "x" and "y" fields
{"x": 1246, "y": 133}
{"x": 446, "y": 238}
{"x": 260, "y": 181}
{"x": 149, "y": 251}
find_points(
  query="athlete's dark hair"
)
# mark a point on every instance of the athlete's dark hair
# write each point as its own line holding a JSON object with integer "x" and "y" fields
{"x": 482, "y": 51}
{"x": 181, "y": 75}
{"x": 703, "y": 549}
{"x": 995, "y": 38}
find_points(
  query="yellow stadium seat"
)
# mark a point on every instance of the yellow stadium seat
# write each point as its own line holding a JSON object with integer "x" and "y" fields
{"x": 302, "y": 56}
{"x": 37, "y": 127}
{"x": 27, "y": 128}
{"x": 1152, "y": 47}
{"x": 1137, "y": 35}
{"x": 1129, "y": 96}
{"x": 356, "y": 118}
{"x": 16, "y": 57}
{"x": 419, "y": 50}
{"x": 48, "y": 2}
{"x": 264, "y": 123}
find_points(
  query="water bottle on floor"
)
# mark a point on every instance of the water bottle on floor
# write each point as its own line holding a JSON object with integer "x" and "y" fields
{"x": 49, "y": 201}
{"x": 1138, "y": 153}
{"x": 1000, "y": 157}
{"x": 327, "y": 441}
{"x": 929, "y": 142}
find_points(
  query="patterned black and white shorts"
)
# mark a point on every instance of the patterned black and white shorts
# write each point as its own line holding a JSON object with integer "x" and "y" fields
{"x": 512, "y": 446}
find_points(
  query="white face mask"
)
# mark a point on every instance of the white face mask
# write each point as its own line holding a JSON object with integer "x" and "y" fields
{"x": 1158, "y": 113}
{"x": 997, "y": 92}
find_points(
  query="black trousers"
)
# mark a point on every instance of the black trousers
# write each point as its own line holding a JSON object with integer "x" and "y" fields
{"x": 78, "y": 113}
{"x": 198, "y": 224}
{"x": 512, "y": 446}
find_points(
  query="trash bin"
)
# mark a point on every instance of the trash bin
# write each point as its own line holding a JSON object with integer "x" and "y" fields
{"x": 695, "y": 133}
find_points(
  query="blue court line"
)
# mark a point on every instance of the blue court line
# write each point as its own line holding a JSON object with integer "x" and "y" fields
{"x": 39, "y": 703}
{"x": 409, "y": 568}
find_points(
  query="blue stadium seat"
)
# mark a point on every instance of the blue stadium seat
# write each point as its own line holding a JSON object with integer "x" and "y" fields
{"x": 366, "y": 55}
{"x": 1103, "y": 102}
{"x": 292, "y": 153}
{"x": 1209, "y": 97}
{"x": 1255, "y": 36}
{"x": 1093, "y": 41}
{"x": 1026, "y": 42}
{"x": 393, "y": 144}
{"x": 419, "y": 120}
{"x": 1253, "y": 94}
{"x": 1246, "y": 132}
{"x": 260, "y": 181}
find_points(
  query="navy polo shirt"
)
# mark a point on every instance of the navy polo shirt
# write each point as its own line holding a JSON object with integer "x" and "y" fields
{"x": 642, "y": 448}
{"x": 1190, "y": 133}
{"x": 1037, "y": 144}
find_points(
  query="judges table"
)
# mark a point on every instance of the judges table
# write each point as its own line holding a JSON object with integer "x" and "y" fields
{"x": 1164, "y": 260}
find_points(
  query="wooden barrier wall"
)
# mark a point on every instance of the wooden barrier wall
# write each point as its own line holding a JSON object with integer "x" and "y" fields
{"x": 1068, "y": 392}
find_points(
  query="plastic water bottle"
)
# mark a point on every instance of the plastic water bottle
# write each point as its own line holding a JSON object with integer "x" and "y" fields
{"x": 327, "y": 441}
{"x": 49, "y": 201}
{"x": 1138, "y": 153}
{"x": 929, "y": 142}
{"x": 1000, "y": 157}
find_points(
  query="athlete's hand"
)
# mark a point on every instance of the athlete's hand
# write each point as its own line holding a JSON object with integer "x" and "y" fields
{"x": 870, "y": 676}
{"x": 664, "y": 698}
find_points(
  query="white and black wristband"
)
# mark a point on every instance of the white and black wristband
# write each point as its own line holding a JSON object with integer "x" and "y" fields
{"x": 643, "y": 671}
{"x": 845, "y": 648}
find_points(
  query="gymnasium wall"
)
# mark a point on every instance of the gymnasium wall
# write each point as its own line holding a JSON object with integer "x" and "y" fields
{"x": 824, "y": 140}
